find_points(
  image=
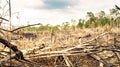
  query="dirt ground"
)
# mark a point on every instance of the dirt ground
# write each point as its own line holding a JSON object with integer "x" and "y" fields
{"x": 65, "y": 39}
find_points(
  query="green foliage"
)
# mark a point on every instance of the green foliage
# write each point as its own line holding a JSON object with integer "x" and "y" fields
{"x": 80, "y": 23}
{"x": 111, "y": 19}
{"x": 117, "y": 22}
{"x": 65, "y": 26}
{"x": 42, "y": 28}
{"x": 103, "y": 21}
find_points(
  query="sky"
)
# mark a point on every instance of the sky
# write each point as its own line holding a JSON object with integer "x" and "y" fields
{"x": 56, "y": 12}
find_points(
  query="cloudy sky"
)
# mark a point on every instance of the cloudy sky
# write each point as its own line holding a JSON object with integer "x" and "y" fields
{"x": 57, "y": 11}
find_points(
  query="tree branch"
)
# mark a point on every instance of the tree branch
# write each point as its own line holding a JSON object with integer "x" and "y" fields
{"x": 12, "y": 31}
{"x": 19, "y": 54}
{"x": 117, "y": 7}
{"x": 3, "y": 19}
{"x": 24, "y": 27}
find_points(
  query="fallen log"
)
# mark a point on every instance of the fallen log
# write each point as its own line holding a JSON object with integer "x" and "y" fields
{"x": 19, "y": 54}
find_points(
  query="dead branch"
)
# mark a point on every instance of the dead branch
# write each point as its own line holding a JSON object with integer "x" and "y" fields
{"x": 3, "y": 19}
{"x": 73, "y": 51}
{"x": 89, "y": 49}
{"x": 12, "y": 31}
{"x": 117, "y": 53}
{"x": 68, "y": 62}
{"x": 5, "y": 30}
{"x": 105, "y": 33}
{"x": 117, "y": 7}
{"x": 24, "y": 27}
{"x": 100, "y": 59}
{"x": 19, "y": 54}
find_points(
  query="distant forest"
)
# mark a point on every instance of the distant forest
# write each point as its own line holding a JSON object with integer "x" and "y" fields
{"x": 93, "y": 20}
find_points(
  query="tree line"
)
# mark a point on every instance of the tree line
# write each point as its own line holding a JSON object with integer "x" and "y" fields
{"x": 93, "y": 20}
{"x": 112, "y": 19}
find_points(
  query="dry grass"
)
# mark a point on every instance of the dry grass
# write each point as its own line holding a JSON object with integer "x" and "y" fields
{"x": 67, "y": 39}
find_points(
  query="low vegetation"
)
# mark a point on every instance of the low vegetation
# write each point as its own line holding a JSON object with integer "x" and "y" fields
{"x": 100, "y": 19}
{"x": 91, "y": 42}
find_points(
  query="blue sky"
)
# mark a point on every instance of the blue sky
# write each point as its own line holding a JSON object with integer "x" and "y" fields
{"x": 55, "y": 4}
{"x": 57, "y": 11}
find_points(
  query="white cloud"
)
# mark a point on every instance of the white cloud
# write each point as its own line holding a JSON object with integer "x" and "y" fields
{"x": 28, "y": 4}
{"x": 28, "y": 11}
{"x": 34, "y": 3}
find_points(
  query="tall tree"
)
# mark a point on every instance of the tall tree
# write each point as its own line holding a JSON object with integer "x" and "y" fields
{"x": 114, "y": 13}
{"x": 80, "y": 23}
{"x": 91, "y": 20}
{"x": 102, "y": 19}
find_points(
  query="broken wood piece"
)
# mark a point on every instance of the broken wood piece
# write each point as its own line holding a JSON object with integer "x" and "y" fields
{"x": 19, "y": 54}
{"x": 102, "y": 61}
{"x": 68, "y": 62}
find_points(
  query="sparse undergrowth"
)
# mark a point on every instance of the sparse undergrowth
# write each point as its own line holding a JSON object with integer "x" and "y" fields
{"x": 61, "y": 40}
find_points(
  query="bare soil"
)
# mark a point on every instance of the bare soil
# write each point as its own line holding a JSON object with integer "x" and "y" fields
{"x": 65, "y": 39}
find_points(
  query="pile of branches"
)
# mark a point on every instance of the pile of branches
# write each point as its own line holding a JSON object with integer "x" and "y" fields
{"x": 87, "y": 49}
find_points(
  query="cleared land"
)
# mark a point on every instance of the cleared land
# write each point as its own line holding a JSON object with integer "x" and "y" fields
{"x": 91, "y": 47}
